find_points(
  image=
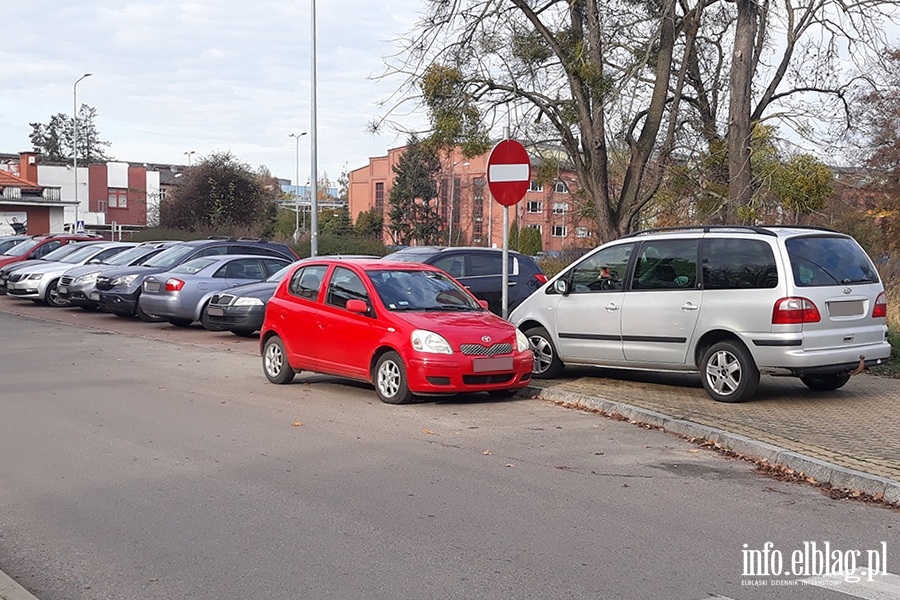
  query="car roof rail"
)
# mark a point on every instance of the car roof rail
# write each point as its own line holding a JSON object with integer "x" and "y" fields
{"x": 220, "y": 237}
{"x": 252, "y": 239}
{"x": 810, "y": 227}
{"x": 704, "y": 228}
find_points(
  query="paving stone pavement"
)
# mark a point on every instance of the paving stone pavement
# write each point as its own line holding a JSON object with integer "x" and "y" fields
{"x": 856, "y": 427}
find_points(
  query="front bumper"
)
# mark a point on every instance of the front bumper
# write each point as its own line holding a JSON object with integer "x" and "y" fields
{"x": 79, "y": 294}
{"x": 241, "y": 318}
{"x": 439, "y": 374}
{"x": 28, "y": 289}
{"x": 119, "y": 302}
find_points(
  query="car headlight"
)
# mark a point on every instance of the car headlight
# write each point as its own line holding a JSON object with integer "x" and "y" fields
{"x": 87, "y": 277}
{"x": 34, "y": 276}
{"x": 428, "y": 341}
{"x": 248, "y": 301}
{"x": 521, "y": 341}
{"x": 126, "y": 280}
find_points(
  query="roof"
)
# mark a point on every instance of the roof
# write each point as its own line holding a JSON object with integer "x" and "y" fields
{"x": 7, "y": 179}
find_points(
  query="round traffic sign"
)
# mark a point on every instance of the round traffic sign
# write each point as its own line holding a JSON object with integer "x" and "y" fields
{"x": 509, "y": 172}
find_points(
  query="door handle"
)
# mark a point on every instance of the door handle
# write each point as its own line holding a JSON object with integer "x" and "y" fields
{"x": 689, "y": 306}
{"x": 512, "y": 283}
{"x": 611, "y": 307}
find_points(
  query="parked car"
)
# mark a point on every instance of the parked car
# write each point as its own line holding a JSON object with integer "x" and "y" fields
{"x": 407, "y": 328}
{"x": 77, "y": 286}
{"x": 480, "y": 270}
{"x": 40, "y": 245}
{"x": 40, "y": 282}
{"x": 11, "y": 240}
{"x": 241, "y": 309}
{"x": 53, "y": 256}
{"x": 176, "y": 295}
{"x": 120, "y": 288}
{"x": 728, "y": 302}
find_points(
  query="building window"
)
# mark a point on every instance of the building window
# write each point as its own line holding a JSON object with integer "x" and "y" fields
{"x": 117, "y": 198}
{"x": 561, "y": 187}
{"x": 559, "y": 231}
{"x": 535, "y": 186}
{"x": 560, "y": 208}
{"x": 535, "y": 206}
{"x": 379, "y": 195}
{"x": 582, "y": 232}
{"x": 537, "y": 226}
{"x": 477, "y": 229}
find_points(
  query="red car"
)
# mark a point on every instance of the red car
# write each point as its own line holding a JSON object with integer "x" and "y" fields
{"x": 40, "y": 245}
{"x": 408, "y": 328}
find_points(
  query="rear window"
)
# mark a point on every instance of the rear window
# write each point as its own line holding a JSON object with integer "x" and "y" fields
{"x": 828, "y": 260}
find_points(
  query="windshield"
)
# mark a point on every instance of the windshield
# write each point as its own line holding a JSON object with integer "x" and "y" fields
{"x": 829, "y": 260}
{"x": 62, "y": 252}
{"x": 23, "y": 248}
{"x": 81, "y": 254}
{"x": 170, "y": 257}
{"x": 128, "y": 256}
{"x": 194, "y": 266}
{"x": 421, "y": 291}
{"x": 408, "y": 256}
{"x": 9, "y": 243}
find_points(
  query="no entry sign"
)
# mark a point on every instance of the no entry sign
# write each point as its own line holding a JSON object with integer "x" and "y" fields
{"x": 509, "y": 172}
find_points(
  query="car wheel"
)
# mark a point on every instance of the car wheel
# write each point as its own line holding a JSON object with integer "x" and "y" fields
{"x": 825, "y": 383}
{"x": 180, "y": 322}
{"x": 204, "y": 320}
{"x": 390, "y": 379}
{"x": 503, "y": 393}
{"x": 728, "y": 371}
{"x": 275, "y": 363}
{"x": 146, "y": 318}
{"x": 547, "y": 364}
{"x": 52, "y": 296}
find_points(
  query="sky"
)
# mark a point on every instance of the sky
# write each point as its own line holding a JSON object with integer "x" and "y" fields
{"x": 170, "y": 77}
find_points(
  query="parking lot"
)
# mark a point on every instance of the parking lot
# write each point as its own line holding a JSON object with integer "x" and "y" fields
{"x": 855, "y": 427}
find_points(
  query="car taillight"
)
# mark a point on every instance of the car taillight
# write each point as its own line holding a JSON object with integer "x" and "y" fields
{"x": 174, "y": 285}
{"x": 790, "y": 311}
{"x": 880, "y": 309}
{"x": 541, "y": 277}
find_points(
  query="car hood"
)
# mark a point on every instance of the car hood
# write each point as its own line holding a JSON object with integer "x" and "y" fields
{"x": 262, "y": 290}
{"x": 22, "y": 264}
{"x": 46, "y": 267}
{"x": 84, "y": 269}
{"x": 462, "y": 327}
{"x": 125, "y": 271}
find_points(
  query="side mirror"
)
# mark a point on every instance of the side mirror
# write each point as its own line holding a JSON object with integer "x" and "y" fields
{"x": 484, "y": 304}
{"x": 561, "y": 286}
{"x": 94, "y": 261}
{"x": 357, "y": 306}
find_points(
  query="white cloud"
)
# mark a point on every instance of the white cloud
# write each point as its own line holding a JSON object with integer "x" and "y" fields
{"x": 208, "y": 76}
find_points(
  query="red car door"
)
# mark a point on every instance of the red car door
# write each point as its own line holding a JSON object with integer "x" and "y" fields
{"x": 298, "y": 312}
{"x": 344, "y": 339}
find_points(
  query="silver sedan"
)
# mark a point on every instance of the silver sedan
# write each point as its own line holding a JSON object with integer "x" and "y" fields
{"x": 179, "y": 295}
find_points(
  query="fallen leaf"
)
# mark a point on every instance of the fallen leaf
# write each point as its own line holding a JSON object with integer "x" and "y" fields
{"x": 693, "y": 451}
{"x": 428, "y": 431}
{"x": 486, "y": 452}
{"x": 510, "y": 465}
{"x": 298, "y": 424}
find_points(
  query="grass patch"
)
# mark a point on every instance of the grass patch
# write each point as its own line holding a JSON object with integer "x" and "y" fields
{"x": 892, "y": 367}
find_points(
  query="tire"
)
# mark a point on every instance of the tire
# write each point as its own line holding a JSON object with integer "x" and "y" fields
{"x": 503, "y": 393}
{"x": 275, "y": 362}
{"x": 390, "y": 379}
{"x": 547, "y": 364}
{"x": 180, "y": 322}
{"x": 51, "y": 297}
{"x": 204, "y": 320}
{"x": 825, "y": 383}
{"x": 728, "y": 372}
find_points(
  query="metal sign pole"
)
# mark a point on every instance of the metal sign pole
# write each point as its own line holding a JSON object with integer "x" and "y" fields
{"x": 504, "y": 294}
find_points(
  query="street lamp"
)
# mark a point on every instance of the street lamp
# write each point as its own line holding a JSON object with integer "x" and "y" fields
{"x": 188, "y": 154}
{"x": 313, "y": 158}
{"x": 297, "y": 183}
{"x": 75, "y": 140}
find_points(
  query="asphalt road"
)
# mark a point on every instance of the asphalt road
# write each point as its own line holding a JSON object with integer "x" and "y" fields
{"x": 147, "y": 467}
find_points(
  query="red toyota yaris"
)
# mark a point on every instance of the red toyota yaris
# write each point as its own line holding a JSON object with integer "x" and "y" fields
{"x": 408, "y": 328}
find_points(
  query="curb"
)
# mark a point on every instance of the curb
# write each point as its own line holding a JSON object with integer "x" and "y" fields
{"x": 821, "y": 471}
{"x": 10, "y": 590}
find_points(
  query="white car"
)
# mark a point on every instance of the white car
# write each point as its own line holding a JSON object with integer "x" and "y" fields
{"x": 39, "y": 282}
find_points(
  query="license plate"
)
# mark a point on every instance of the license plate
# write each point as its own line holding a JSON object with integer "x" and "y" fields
{"x": 95, "y": 296}
{"x": 62, "y": 289}
{"x": 846, "y": 309}
{"x": 497, "y": 363}
{"x": 215, "y": 311}
{"x": 152, "y": 287}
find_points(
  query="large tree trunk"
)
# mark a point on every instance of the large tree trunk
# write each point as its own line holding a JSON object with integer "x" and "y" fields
{"x": 740, "y": 190}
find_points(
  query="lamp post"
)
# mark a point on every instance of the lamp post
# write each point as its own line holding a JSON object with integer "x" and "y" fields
{"x": 75, "y": 140}
{"x": 314, "y": 176}
{"x": 297, "y": 183}
{"x": 188, "y": 154}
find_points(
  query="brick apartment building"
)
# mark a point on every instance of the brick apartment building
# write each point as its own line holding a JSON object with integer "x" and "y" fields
{"x": 474, "y": 218}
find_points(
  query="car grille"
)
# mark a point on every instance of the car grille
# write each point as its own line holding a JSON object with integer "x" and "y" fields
{"x": 104, "y": 283}
{"x": 66, "y": 280}
{"x": 222, "y": 300}
{"x": 487, "y": 379}
{"x": 434, "y": 380}
{"x": 479, "y": 350}
{"x": 15, "y": 277}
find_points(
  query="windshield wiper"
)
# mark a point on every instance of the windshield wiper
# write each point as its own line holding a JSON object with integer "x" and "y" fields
{"x": 861, "y": 280}
{"x": 451, "y": 308}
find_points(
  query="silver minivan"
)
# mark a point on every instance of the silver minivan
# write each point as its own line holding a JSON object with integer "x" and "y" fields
{"x": 729, "y": 302}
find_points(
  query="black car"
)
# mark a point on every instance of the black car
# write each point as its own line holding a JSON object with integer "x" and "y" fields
{"x": 120, "y": 288}
{"x": 480, "y": 270}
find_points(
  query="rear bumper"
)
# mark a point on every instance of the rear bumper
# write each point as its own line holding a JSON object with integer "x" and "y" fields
{"x": 796, "y": 361}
